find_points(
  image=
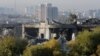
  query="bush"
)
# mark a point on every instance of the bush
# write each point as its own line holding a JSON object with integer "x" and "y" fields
{"x": 10, "y": 46}
{"x": 86, "y": 43}
{"x": 50, "y": 48}
{"x": 20, "y": 46}
{"x": 6, "y": 46}
{"x": 52, "y": 44}
{"x": 98, "y": 50}
{"x": 37, "y": 51}
{"x": 57, "y": 53}
{"x": 73, "y": 48}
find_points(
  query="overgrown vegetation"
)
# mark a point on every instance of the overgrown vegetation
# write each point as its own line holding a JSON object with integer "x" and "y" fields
{"x": 50, "y": 48}
{"x": 10, "y": 46}
{"x": 86, "y": 44}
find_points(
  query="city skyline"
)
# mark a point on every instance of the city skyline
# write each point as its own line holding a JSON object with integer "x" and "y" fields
{"x": 61, "y": 4}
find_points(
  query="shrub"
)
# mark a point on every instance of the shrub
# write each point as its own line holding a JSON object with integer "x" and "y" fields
{"x": 73, "y": 48}
{"x": 6, "y": 46}
{"x": 57, "y": 53}
{"x": 20, "y": 46}
{"x": 52, "y": 44}
{"x": 86, "y": 43}
{"x": 37, "y": 50}
{"x": 10, "y": 46}
{"x": 49, "y": 48}
{"x": 98, "y": 50}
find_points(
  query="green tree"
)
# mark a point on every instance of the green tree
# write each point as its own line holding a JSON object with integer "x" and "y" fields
{"x": 86, "y": 43}
{"x": 6, "y": 45}
{"x": 10, "y": 46}
{"x": 49, "y": 48}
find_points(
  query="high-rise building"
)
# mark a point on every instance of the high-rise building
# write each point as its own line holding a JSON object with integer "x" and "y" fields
{"x": 98, "y": 13}
{"x": 49, "y": 11}
{"x": 31, "y": 11}
{"x": 42, "y": 12}
{"x": 52, "y": 12}
{"x": 92, "y": 13}
{"x": 49, "y": 5}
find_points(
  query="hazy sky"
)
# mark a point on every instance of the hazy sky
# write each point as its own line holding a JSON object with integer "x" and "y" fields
{"x": 62, "y": 4}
